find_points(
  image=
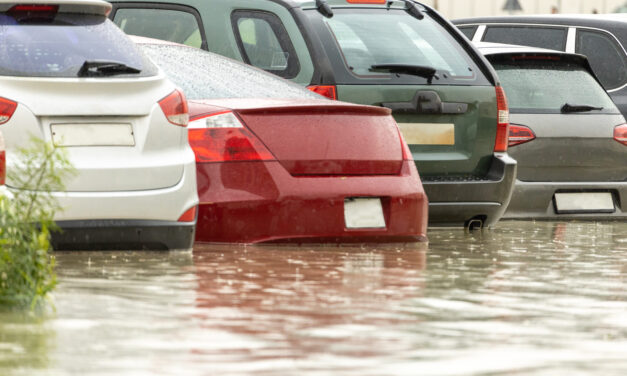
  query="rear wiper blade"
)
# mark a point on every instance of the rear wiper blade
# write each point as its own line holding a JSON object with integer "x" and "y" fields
{"x": 579, "y": 108}
{"x": 415, "y": 70}
{"x": 100, "y": 68}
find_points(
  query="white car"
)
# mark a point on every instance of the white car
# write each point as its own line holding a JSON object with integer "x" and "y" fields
{"x": 71, "y": 77}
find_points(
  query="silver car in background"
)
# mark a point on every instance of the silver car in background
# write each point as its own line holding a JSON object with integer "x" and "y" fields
{"x": 568, "y": 137}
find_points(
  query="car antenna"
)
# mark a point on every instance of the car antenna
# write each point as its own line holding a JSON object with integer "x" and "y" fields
{"x": 324, "y": 8}
{"x": 410, "y": 7}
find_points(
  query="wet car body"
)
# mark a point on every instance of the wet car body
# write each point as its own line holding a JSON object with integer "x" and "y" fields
{"x": 449, "y": 118}
{"x": 602, "y": 38}
{"x": 71, "y": 78}
{"x": 278, "y": 163}
{"x": 567, "y": 135}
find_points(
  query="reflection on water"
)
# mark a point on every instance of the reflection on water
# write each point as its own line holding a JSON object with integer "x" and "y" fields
{"x": 527, "y": 298}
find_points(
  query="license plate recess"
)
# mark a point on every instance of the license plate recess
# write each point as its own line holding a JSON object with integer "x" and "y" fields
{"x": 363, "y": 213}
{"x": 584, "y": 202}
{"x": 98, "y": 134}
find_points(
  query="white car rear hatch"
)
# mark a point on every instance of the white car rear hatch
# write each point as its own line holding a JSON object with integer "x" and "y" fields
{"x": 71, "y": 77}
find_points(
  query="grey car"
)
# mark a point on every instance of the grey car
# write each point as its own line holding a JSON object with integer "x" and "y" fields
{"x": 567, "y": 135}
{"x": 601, "y": 37}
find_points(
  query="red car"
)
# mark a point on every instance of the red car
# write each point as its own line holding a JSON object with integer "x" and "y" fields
{"x": 278, "y": 163}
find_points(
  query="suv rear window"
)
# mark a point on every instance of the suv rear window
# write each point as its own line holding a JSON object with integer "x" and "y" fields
{"x": 368, "y": 37}
{"x": 544, "y": 86}
{"x": 221, "y": 77}
{"x": 58, "y": 47}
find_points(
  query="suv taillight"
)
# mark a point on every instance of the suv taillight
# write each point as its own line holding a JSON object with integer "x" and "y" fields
{"x": 221, "y": 137}
{"x": 7, "y": 108}
{"x": 519, "y": 134}
{"x": 620, "y": 134}
{"x": 502, "y": 122}
{"x": 174, "y": 107}
{"x": 328, "y": 91}
{"x": 189, "y": 215}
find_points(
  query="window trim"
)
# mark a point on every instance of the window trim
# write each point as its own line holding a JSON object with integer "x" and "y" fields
{"x": 534, "y": 26}
{"x": 613, "y": 39}
{"x": 164, "y": 6}
{"x": 293, "y": 64}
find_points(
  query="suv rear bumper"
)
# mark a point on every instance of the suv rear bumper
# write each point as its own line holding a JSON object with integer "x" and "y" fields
{"x": 455, "y": 203}
{"x": 535, "y": 199}
{"x": 123, "y": 235}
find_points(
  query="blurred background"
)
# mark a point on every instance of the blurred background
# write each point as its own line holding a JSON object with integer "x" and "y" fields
{"x": 475, "y": 8}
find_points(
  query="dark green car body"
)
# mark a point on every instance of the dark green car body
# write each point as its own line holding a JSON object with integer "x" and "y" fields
{"x": 448, "y": 116}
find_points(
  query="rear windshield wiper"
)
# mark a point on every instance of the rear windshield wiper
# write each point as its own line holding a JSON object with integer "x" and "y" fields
{"x": 415, "y": 70}
{"x": 100, "y": 68}
{"x": 579, "y": 108}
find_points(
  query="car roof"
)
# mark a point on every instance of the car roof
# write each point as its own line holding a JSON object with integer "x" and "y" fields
{"x": 145, "y": 40}
{"x": 488, "y": 48}
{"x": 95, "y": 7}
{"x": 595, "y": 20}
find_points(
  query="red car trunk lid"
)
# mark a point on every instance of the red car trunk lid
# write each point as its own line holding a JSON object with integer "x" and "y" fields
{"x": 328, "y": 138}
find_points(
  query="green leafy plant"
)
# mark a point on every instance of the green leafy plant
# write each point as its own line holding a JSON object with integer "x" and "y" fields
{"x": 26, "y": 219}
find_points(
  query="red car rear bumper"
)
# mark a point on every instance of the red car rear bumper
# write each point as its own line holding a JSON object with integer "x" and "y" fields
{"x": 253, "y": 202}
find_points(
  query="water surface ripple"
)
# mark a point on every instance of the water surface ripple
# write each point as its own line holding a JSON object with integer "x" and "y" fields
{"x": 527, "y": 298}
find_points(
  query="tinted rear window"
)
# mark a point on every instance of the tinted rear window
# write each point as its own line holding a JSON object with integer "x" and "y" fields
{"x": 544, "y": 86}
{"x": 204, "y": 75}
{"x": 58, "y": 47}
{"x": 542, "y": 37}
{"x": 357, "y": 39}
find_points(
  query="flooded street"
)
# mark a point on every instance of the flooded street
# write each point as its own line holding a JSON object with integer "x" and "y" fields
{"x": 527, "y": 298}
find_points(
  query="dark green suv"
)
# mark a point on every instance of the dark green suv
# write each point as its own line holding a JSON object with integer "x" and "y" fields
{"x": 397, "y": 54}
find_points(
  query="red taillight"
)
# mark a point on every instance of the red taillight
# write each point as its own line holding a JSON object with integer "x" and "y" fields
{"x": 174, "y": 106}
{"x": 3, "y": 167}
{"x": 189, "y": 215}
{"x": 42, "y": 8}
{"x": 620, "y": 134}
{"x": 328, "y": 91}
{"x": 33, "y": 11}
{"x": 222, "y": 137}
{"x": 502, "y": 122}
{"x": 7, "y": 108}
{"x": 519, "y": 134}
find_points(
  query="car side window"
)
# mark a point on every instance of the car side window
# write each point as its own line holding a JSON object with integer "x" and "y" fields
{"x": 606, "y": 57}
{"x": 553, "y": 38}
{"x": 468, "y": 31}
{"x": 264, "y": 42}
{"x": 173, "y": 25}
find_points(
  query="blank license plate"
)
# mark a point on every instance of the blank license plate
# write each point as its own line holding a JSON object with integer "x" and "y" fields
{"x": 428, "y": 133}
{"x": 588, "y": 202}
{"x": 363, "y": 213}
{"x": 102, "y": 134}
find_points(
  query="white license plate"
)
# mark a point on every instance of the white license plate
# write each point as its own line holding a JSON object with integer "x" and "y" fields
{"x": 102, "y": 134}
{"x": 363, "y": 213}
{"x": 586, "y": 202}
{"x": 428, "y": 133}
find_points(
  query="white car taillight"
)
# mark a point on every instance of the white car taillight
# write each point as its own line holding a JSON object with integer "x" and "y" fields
{"x": 3, "y": 162}
{"x": 174, "y": 106}
{"x": 7, "y": 108}
{"x": 502, "y": 122}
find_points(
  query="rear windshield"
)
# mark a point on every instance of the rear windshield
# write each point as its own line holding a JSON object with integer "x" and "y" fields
{"x": 204, "y": 75}
{"x": 545, "y": 86}
{"x": 368, "y": 37}
{"x": 59, "y": 46}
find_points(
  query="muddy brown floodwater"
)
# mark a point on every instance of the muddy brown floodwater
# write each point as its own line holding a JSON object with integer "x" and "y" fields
{"x": 527, "y": 298}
